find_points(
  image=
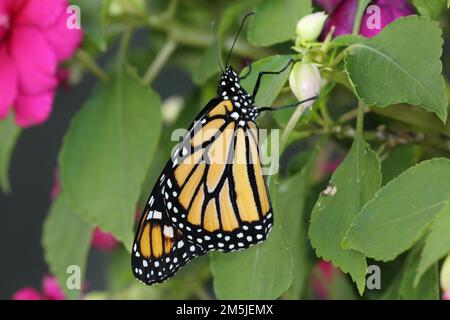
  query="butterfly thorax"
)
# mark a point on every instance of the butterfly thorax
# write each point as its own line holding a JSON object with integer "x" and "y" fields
{"x": 229, "y": 88}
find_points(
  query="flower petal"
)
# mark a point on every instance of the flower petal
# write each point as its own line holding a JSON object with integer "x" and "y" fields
{"x": 8, "y": 6}
{"x": 342, "y": 18}
{"x": 389, "y": 12}
{"x": 35, "y": 60}
{"x": 27, "y": 293}
{"x": 40, "y": 14}
{"x": 51, "y": 288}
{"x": 33, "y": 109}
{"x": 104, "y": 241}
{"x": 64, "y": 40}
{"x": 8, "y": 83}
{"x": 328, "y": 5}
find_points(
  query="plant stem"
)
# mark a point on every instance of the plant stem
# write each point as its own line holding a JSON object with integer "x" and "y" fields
{"x": 290, "y": 127}
{"x": 362, "y": 4}
{"x": 123, "y": 48}
{"x": 188, "y": 36}
{"x": 160, "y": 60}
{"x": 360, "y": 119}
{"x": 339, "y": 58}
{"x": 91, "y": 65}
{"x": 350, "y": 115}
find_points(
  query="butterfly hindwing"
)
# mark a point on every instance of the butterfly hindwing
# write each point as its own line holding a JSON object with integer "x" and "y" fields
{"x": 159, "y": 248}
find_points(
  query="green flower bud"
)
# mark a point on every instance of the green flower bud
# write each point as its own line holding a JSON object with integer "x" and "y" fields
{"x": 305, "y": 81}
{"x": 310, "y": 26}
{"x": 445, "y": 277}
{"x": 171, "y": 108}
{"x": 119, "y": 8}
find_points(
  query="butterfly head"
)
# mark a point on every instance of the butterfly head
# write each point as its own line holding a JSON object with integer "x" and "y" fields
{"x": 229, "y": 88}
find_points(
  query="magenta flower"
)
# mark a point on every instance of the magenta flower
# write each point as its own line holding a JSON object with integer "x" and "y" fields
{"x": 328, "y": 5}
{"x": 342, "y": 14}
{"x": 27, "y": 293}
{"x": 390, "y": 11}
{"x": 34, "y": 39}
{"x": 50, "y": 287}
{"x": 332, "y": 165}
{"x": 104, "y": 241}
{"x": 323, "y": 275}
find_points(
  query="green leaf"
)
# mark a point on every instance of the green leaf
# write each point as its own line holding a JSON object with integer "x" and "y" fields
{"x": 402, "y": 62}
{"x": 356, "y": 180}
{"x": 427, "y": 288}
{"x": 275, "y": 21}
{"x": 291, "y": 198}
{"x": 401, "y": 212}
{"x": 118, "y": 275}
{"x": 66, "y": 240}
{"x": 263, "y": 271}
{"x": 400, "y": 159}
{"x": 430, "y": 8}
{"x": 9, "y": 132}
{"x": 346, "y": 40}
{"x": 107, "y": 152}
{"x": 437, "y": 243}
{"x": 271, "y": 85}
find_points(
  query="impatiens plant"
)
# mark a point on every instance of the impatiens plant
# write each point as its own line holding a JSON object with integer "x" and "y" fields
{"x": 361, "y": 198}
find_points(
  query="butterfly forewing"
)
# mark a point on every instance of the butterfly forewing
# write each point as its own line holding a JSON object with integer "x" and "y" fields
{"x": 218, "y": 197}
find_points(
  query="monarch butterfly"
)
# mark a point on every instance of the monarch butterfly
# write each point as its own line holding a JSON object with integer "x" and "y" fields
{"x": 199, "y": 205}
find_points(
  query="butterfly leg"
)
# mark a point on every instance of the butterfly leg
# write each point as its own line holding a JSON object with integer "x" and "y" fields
{"x": 287, "y": 106}
{"x": 263, "y": 73}
{"x": 249, "y": 65}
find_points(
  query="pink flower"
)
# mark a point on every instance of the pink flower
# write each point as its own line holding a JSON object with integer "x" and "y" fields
{"x": 104, "y": 241}
{"x": 342, "y": 14}
{"x": 56, "y": 189}
{"x": 389, "y": 12}
{"x": 34, "y": 39}
{"x": 27, "y": 293}
{"x": 446, "y": 296}
{"x": 328, "y": 5}
{"x": 50, "y": 287}
{"x": 332, "y": 165}
{"x": 322, "y": 277}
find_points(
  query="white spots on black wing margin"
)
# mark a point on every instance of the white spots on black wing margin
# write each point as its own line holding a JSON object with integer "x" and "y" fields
{"x": 250, "y": 234}
{"x": 230, "y": 89}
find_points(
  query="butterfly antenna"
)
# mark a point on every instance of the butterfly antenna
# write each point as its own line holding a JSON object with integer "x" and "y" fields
{"x": 237, "y": 36}
{"x": 216, "y": 44}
